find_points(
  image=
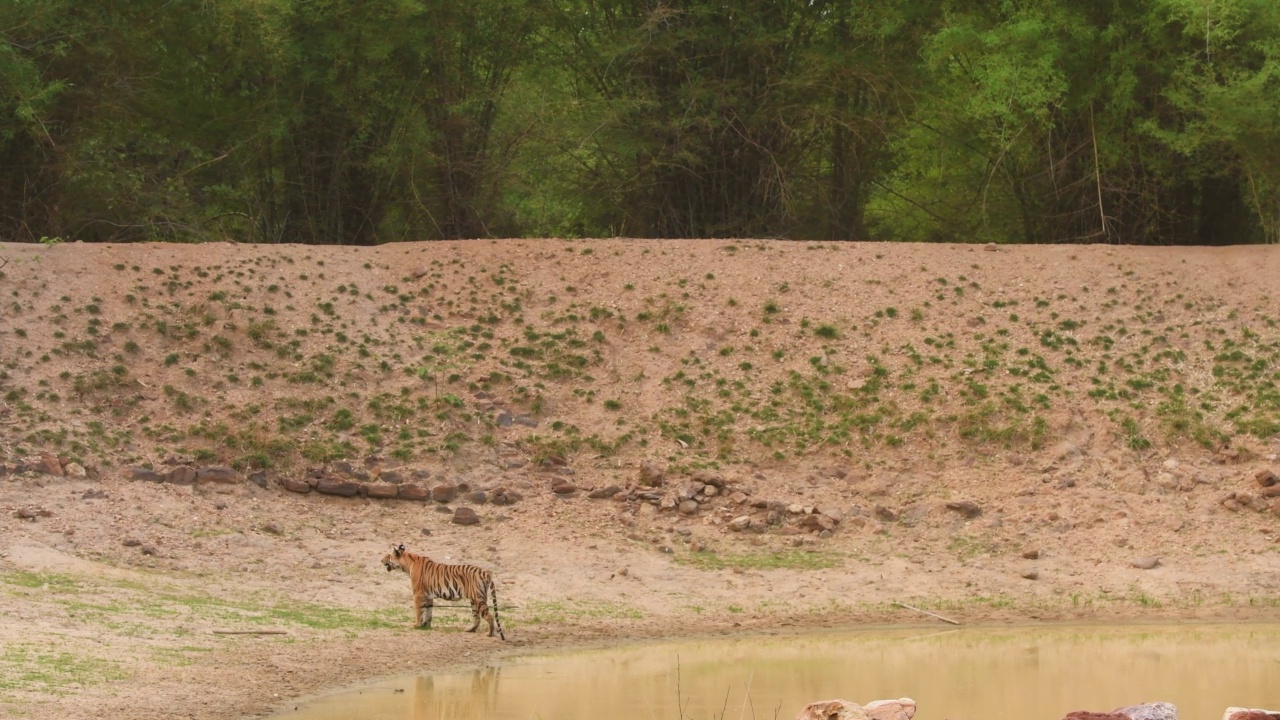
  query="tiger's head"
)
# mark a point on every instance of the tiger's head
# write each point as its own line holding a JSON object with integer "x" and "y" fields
{"x": 394, "y": 559}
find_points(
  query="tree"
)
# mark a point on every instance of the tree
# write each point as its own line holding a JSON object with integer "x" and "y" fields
{"x": 739, "y": 119}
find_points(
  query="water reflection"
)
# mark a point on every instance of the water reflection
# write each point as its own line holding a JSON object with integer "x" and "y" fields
{"x": 981, "y": 673}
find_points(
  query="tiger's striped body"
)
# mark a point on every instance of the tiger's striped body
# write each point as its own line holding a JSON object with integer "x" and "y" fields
{"x": 431, "y": 580}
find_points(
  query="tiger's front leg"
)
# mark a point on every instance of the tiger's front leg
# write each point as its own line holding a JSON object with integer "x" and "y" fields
{"x": 423, "y": 605}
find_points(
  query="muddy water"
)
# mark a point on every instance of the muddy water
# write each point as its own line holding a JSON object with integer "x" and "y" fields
{"x": 982, "y": 674}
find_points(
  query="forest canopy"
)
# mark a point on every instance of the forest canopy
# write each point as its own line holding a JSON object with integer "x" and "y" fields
{"x": 371, "y": 121}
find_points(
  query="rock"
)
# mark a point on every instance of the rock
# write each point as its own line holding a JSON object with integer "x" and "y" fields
{"x": 710, "y": 491}
{"x": 411, "y": 491}
{"x": 885, "y": 514}
{"x": 967, "y": 508}
{"x": 737, "y": 497}
{"x": 476, "y": 497}
{"x": 1031, "y": 554}
{"x": 465, "y": 516}
{"x": 651, "y": 475}
{"x": 604, "y": 493}
{"x": 1257, "y": 503}
{"x": 1239, "y": 713}
{"x": 689, "y": 507}
{"x": 352, "y": 471}
{"x": 47, "y": 464}
{"x": 1146, "y": 563}
{"x": 817, "y": 521}
{"x": 31, "y": 513}
{"x": 220, "y": 474}
{"x": 181, "y": 475}
{"x": 740, "y": 523}
{"x": 75, "y": 470}
{"x": 272, "y": 529}
{"x": 131, "y": 542}
{"x": 689, "y": 491}
{"x": 259, "y": 478}
{"x": 1266, "y": 478}
{"x": 709, "y": 477}
{"x": 150, "y": 550}
{"x": 504, "y": 496}
{"x": 295, "y": 485}
{"x": 1149, "y": 711}
{"x": 444, "y": 492}
{"x": 93, "y": 494}
{"x": 900, "y": 709}
{"x": 832, "y": 710}
{"x": 386, "y": 490}
{"x": 141, "y": 473}
{"x": 504, "y": 418}
{"x": 1030, "y": 574}
{"x": 333, "y": 485}
{"x": 1087, "y": 715}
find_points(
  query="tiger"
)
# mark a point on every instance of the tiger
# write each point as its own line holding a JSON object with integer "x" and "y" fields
{"x": 431, "y": 580}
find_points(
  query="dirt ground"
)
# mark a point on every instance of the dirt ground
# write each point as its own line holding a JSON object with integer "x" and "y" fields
{"x": 1128, "y": 483}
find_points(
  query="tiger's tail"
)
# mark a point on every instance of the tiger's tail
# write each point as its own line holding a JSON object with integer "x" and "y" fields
{"x": 493, "y": 590}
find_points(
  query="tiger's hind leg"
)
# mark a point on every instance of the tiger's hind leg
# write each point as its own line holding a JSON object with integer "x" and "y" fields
{"x": 478, "y": 610}
{"x": 494, "y": 619}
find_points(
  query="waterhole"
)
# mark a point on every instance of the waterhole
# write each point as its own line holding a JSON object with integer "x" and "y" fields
{"x": 978, "y": 673}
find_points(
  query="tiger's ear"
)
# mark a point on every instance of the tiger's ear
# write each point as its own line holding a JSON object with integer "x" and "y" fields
{"x": 399, "y": 550}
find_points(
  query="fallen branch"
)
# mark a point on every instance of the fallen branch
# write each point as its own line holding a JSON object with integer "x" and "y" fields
{"x": 250, "y": 632}
{"x": 926, "y": 612}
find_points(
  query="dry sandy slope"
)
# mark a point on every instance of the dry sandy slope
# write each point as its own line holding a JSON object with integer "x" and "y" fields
{"x": 95, "y": 628}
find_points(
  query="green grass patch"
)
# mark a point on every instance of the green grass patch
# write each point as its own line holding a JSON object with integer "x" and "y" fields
{"x": 32, "y": 667}
{"x": 48, "y": 581}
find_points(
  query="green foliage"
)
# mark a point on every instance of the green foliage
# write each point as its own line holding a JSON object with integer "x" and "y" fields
{"x": 337, "y": 121}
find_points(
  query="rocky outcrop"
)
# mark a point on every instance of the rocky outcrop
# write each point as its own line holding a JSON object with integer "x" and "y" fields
{"x": 1150, "y": 711}
{"x": 1145, "y": 711}
{"x": 832, "y": 710}
{"x": 1239, "y": 713}
{"x": 900, "y": 709}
